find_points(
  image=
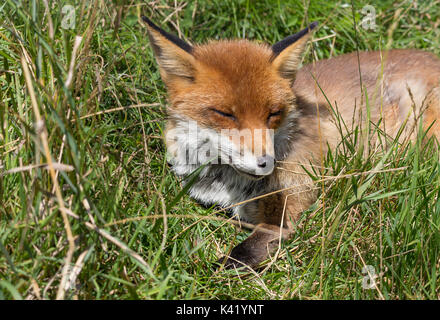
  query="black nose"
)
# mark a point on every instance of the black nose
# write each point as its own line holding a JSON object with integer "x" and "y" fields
{"x": 264, "y": 161}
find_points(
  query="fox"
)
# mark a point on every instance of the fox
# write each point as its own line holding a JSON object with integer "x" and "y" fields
{"x": 246, "y": 116}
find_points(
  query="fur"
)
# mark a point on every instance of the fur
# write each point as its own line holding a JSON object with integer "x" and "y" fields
{"x": 243, "y": 85}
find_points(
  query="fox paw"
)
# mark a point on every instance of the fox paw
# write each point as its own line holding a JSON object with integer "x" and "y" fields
{"x": 232, "y": 263}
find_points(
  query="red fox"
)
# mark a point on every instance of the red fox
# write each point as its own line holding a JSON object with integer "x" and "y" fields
{"x": 246, "y": 116}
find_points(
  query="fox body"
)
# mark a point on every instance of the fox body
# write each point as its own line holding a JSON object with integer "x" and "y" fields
{"x": 248, "y": 118}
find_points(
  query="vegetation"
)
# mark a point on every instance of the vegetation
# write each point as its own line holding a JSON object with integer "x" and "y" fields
{"x": 89, "y": 208}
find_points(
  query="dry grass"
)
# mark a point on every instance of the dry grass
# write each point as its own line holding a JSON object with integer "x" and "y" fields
{"x": 90, "y": 210}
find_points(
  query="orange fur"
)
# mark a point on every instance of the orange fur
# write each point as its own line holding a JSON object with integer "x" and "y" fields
{"x": 239, "y": 84}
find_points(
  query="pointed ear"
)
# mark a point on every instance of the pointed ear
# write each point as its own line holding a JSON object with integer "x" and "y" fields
{"x": 287, "y": 53}
{"x": 173, "y": 55}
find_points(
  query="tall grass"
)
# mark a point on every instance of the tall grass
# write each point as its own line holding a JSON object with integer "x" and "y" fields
{"x": 90, "y": 209}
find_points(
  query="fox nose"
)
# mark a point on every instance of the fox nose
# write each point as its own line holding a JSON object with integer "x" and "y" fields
{"x": 265, "y": 160}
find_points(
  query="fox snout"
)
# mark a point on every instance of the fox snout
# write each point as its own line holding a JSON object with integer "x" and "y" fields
{"x": 253, "y": 152}
{"x": 249, "y": 152}
{"x": 256, "y": 167}
{"x": 265, "y": 160}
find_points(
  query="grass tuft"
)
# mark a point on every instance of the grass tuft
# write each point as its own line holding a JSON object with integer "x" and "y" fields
{"x": 89, "y": 208}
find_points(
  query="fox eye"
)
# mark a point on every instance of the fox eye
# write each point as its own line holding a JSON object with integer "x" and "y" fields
{"x": 224, "y": 114}
{"x": 274, "y": 114}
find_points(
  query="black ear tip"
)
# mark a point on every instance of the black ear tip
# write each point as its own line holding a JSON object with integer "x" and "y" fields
{"x": 179, "y": 42}
{"x": 283, "y": 44}
{"x": 150, "y": 23}
{"x": 313, "y": 25}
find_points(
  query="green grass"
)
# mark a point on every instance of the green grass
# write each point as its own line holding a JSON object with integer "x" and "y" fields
{"x": 134, "y": 235}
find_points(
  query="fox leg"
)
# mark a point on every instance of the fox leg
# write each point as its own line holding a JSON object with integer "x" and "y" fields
{"x": 276, "y": 215}
{"x": 256, "y": 248}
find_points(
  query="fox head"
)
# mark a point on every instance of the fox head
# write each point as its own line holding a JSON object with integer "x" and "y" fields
{"x": 229, "y": 101}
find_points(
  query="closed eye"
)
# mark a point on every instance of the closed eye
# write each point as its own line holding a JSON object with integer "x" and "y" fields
{"x": 274, "y": 114}
{"x": 224, "y": 114}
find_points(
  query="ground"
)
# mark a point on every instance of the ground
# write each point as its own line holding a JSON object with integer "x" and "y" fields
{"x": 84, "y": 180}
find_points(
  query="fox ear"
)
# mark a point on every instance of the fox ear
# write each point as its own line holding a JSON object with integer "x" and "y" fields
{"x": 173, "y": 55}
{"x": 287, "y": 52}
